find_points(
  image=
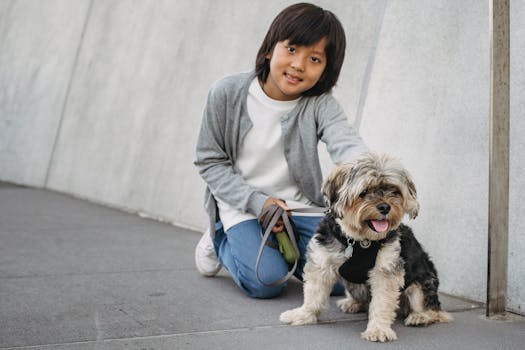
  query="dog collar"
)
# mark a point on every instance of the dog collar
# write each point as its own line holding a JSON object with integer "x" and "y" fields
{"x": 365, "y": 243}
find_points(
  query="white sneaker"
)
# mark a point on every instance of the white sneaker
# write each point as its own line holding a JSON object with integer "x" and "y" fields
{"x": 205, "y": 258}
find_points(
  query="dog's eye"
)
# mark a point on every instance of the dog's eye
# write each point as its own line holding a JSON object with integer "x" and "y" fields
{"x": 363, "y": 194}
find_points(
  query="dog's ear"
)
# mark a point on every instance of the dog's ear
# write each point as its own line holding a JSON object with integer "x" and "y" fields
{"x": 411, "y": 202}
{"x": 332, "y": 186}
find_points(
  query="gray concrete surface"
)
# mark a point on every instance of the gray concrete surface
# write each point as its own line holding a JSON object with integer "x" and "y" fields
{"x": 75, "y": 275}
{"x": 102, "y": 100}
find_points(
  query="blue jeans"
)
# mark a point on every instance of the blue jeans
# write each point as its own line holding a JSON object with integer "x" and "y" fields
{"x": 237, "y": 251}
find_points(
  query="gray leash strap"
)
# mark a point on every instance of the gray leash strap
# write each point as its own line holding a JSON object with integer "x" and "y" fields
{"x": 270, "y": 215}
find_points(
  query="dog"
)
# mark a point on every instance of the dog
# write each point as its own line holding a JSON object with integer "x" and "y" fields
{"x": 362, "y": 243}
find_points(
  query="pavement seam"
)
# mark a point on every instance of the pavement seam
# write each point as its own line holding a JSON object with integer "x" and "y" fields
{"x": 96, "y": 273}
{"x": 204, "y": 332}
{"x": 183, "y": 334}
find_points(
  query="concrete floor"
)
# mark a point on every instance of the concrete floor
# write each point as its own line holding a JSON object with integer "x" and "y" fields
{"x": 75, "y": 275}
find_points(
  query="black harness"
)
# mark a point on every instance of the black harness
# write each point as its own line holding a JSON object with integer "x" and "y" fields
{"x": 362, "y": 257}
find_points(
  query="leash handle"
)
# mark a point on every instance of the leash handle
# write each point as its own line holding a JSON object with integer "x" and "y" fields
{"x": 270, "y": 215}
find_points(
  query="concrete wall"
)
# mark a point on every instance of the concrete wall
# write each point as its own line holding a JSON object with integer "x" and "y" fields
{"x": 102, "y": 100}
{"x": 428, "y": 102}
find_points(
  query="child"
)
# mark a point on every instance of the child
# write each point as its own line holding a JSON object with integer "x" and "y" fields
{"x": 258, "y": 145}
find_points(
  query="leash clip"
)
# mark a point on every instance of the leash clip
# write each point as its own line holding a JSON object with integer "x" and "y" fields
{"x": 365, "y": 243}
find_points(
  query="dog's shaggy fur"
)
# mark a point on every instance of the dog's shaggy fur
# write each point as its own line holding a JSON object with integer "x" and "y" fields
{"x": 362, "y": 242}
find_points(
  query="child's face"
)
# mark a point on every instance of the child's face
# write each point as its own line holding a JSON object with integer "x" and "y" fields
{"x": 294, "y": 69}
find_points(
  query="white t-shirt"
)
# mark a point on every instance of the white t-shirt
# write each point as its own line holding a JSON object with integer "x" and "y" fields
{"x": 261, "y": 158}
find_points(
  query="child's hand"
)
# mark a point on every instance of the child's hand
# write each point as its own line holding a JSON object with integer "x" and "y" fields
{"x": 273, "y": 200}
{"x": 279, "y": 226}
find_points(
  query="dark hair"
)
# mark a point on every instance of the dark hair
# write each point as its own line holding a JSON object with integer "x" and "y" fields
{"x": 305, "y": 24}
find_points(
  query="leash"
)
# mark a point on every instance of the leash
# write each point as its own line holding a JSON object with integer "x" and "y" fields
{"x": 268, "y": 218}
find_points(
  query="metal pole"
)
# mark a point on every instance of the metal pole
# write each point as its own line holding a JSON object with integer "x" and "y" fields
{"x": 499, "y": 158}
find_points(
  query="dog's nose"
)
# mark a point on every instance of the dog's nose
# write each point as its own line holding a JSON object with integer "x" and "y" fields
{"x": 383, "y": 208}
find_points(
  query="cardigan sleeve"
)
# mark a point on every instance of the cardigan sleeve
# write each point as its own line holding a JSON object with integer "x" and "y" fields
{"x": 213, "y": 159}
{"x": 343, "y": 142}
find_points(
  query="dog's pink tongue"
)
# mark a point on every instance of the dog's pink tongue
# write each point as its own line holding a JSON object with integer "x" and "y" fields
{"x": 380, "y": 225}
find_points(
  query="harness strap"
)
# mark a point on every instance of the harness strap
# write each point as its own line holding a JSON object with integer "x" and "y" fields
{"x": 268, "y": 218}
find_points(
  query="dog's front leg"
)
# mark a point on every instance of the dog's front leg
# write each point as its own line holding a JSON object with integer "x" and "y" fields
{"x": 386, "y": 280}
{"x": 319, "y": 280}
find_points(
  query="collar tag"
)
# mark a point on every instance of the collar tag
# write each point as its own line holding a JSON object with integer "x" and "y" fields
{"x": 349, "y": 249}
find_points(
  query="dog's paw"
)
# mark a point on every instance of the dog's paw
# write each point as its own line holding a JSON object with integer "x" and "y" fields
{"x": 427, "y": 317}
{"x": 298, "y": 316}
{"x": 349, "y": 305}
{"x": 444, "y": 317}
{"x": 380, "y": 334}
{"x": 416, "y": 319}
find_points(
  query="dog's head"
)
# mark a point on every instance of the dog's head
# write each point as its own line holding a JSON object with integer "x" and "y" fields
{"x": 371, "y": 195}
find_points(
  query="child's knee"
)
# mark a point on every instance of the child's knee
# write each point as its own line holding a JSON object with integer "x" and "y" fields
{"x": 266, "y": 292}
{"x": 262, "y": 286}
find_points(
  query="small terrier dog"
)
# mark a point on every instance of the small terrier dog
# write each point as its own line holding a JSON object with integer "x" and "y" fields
{"x": 362, "y": 242}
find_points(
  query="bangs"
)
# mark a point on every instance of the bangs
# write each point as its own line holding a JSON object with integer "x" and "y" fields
{"x": 306, "y": 29}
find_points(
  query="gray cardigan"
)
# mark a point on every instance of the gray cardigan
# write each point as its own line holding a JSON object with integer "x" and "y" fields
{"x": 225, "y": 123}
